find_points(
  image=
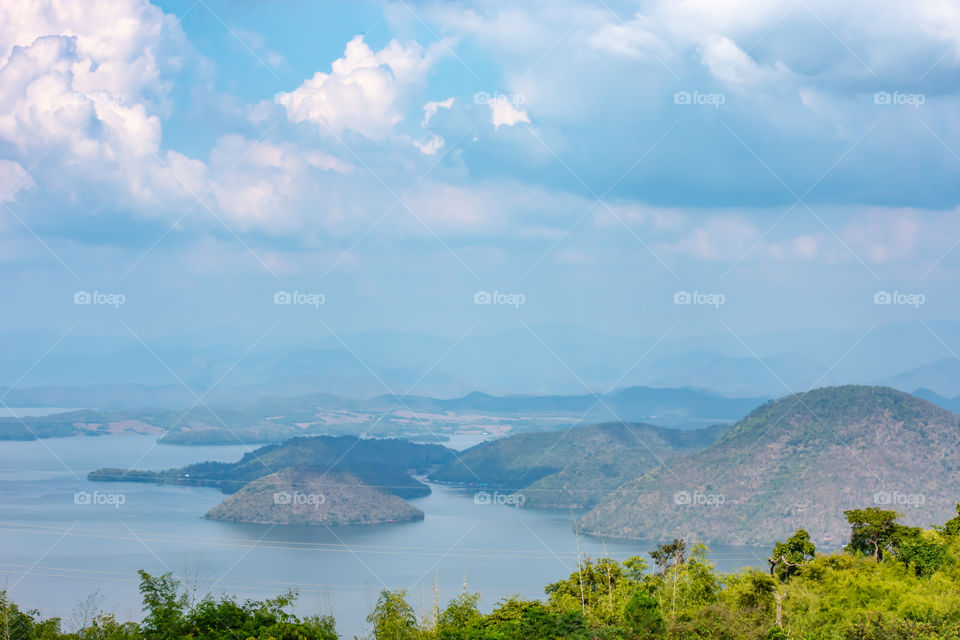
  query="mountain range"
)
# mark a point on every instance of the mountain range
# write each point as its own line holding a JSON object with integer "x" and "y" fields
{"x": 276, "y": 419}
{"x": 119, "y": 373}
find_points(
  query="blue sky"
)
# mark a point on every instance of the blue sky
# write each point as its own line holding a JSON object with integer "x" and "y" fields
{"x": 397, "y": 158}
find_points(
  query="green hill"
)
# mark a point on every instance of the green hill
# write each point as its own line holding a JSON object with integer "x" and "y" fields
{"x": 378, "y": 462}
{"x": 803, "y": 459}
{"x": 574, "y": 467}
{"x": 363, "y": 481}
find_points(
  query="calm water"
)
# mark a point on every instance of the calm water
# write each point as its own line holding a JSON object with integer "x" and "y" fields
{"x": 55, "y": 553}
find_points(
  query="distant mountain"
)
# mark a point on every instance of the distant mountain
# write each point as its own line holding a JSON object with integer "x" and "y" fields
{"x": 310, "y": 496}
{"x": 275, "y": 419}
{"x": 950, "y": 404}
{"x": 940, "y": 376}
{"x": 571, "y": 468}
{"x": 748, "y": 375}
{"x": 798, "y": 462}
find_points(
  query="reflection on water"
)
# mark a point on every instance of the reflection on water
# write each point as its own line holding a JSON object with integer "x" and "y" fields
{"x": 55, "y": 552}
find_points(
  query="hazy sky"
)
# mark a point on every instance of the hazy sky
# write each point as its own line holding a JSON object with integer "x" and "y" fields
{"x": 394, "y": 159}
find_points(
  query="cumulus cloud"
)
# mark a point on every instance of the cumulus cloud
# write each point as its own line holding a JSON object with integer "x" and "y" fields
{"x": 502, "y": 112}
{"x": 363, "y": 90}
{"x": 429, "y": 146}
{"x": 76, "y": 81}
{"x": 431, "y": 108}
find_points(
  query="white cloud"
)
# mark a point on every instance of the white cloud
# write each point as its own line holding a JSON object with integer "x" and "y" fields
{"x": 76, "y": 77}
{"x": 13, "y": 179}
{"x": 430, "y": 109}
{"x": 429, "y": 146}
{"x": 504, "y": 113}
{"x": 363, "y": 90}
{"x": 732, "y": 65}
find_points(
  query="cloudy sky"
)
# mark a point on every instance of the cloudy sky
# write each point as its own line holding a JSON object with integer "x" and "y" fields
{"x": 392, "y": 160}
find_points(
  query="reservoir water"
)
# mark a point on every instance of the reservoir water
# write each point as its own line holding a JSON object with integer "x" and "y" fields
{"x": 58, "y": 545}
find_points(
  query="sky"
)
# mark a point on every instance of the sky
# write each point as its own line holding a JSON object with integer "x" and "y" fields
{"x": 211, "y": 170}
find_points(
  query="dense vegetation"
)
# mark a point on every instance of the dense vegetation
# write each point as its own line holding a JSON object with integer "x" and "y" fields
{"x": 339, "y": 480}
{"x": 893, "y": 582}
{"x": 573, "y": 468}
{"x": 378, "y": 462}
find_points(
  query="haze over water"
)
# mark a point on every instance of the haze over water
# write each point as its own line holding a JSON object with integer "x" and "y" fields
{"x": 55, "y": 552}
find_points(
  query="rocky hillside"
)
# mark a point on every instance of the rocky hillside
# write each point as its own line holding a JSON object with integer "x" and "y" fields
{"x": 310, "y": 496}
{"x": 799, "y": 461}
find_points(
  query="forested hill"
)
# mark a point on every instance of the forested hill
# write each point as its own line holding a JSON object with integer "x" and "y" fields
{"x": 574, "y": 467}
{"x": 803, "y": 459}
{"x": 310, "y": 480}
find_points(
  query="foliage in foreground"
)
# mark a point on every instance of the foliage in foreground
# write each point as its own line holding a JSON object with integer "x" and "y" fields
{"x": 892, "y": 583}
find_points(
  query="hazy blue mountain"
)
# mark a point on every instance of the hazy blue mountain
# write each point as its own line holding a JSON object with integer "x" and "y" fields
{"x": 940, "y": 376}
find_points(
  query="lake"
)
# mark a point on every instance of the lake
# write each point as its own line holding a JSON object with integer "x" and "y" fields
{"x": 56, "y": 552}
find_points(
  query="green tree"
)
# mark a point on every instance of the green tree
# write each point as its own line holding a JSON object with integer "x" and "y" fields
{"x": 165, "y": 606}
{"x": 642, "y": 616}
{"x": 460, "y": 614}
{"x": 872, "y": 530}
{"x": 789, "y": 556}
{"x": 669, "y": 558}
{"x": 393, "y": 618}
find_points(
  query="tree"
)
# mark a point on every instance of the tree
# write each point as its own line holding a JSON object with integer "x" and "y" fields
{"x": 459, "y": 615}
{"x": 951, "y": 527}
{"x": 642, "y": 616}
{"x": 165, "y": 606}
{"x": 669, "y": 557}
{"x": 872, "y": 530}
{"x": 917, "y": 550}
{"x": 393, "y": 618}
{"x": 789, "y": 556}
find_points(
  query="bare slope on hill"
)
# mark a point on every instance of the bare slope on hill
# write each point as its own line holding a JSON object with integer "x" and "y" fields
{"x": 799, "y": 461}
{"x": 310, "y": 496}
